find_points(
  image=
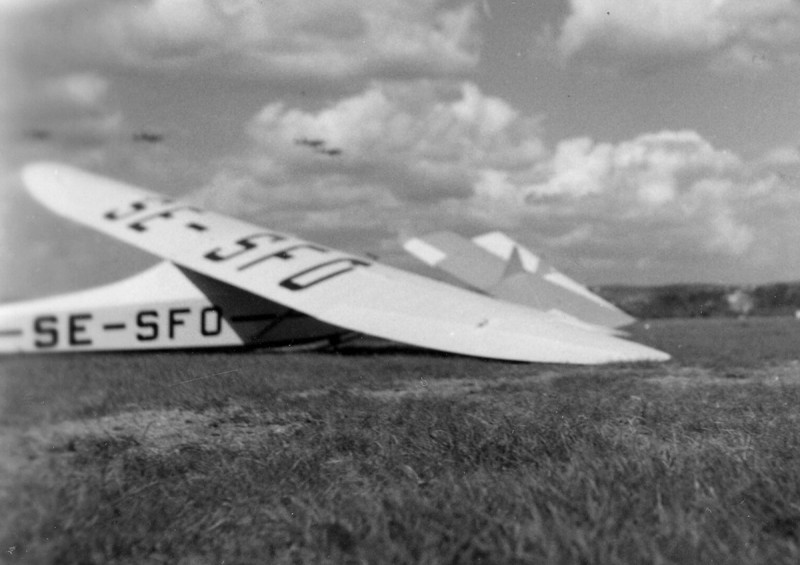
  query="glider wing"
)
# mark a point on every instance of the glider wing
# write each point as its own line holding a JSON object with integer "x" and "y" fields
{"x": 340, "y": 289}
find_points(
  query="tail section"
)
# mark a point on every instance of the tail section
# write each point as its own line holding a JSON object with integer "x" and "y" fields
{"x": 499, "y": 266}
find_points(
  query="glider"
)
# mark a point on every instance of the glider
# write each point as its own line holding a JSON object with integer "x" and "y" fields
{"x": 160, "y": 308}
{"x": 497, "y": 265}
{"x": 332, "y": 291}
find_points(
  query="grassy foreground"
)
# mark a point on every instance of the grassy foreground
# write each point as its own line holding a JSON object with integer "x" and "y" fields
{"x": 382, "y": 455}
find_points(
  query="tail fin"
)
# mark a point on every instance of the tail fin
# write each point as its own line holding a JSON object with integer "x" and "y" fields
{"x": 514, "y": 264}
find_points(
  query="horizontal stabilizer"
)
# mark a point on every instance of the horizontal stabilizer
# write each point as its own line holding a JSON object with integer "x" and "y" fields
{"x": 499, "y": 266}
{"x": 458, "y": 257}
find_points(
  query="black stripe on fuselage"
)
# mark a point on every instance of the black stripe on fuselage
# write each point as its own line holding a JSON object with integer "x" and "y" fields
{"x": 254, "y": 318}
{"x": 267, "y": 317}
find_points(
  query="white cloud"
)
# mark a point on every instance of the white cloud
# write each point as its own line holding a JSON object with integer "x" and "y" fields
{"x": 783, "y": 155}
{"x": 15, "y": 7}
{"x": 318, "y": 39}
{"x": 416, "y": 123}
{"x": 406, "y": 143}
{"x": 650, "y": 33}
{"x": 423, "y": 158}
{"x": 649, "y": 168}
{"x": 672, "y": 183}
{"x": 170, "y": 28}
{"x": 79, "y": 89}
{"x": 74, "y": 110}
{"x": 729, "y": 235}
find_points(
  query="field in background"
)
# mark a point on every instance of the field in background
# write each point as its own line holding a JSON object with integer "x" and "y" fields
{"x": 704, "y": 300}
{"x": 382, "y": 453}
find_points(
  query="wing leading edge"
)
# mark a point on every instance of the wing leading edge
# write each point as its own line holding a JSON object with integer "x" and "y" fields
{"x": 339, "y": 289}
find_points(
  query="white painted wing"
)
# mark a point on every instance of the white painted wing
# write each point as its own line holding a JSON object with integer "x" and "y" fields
{"x": 160, "y": 308}
{"x": 334, "y": 287}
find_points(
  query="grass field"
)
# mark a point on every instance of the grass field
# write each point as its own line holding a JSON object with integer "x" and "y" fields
{"x": 383, "y": 454}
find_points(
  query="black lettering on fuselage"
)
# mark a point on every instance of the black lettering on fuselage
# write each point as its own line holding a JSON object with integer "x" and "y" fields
{"x": 175, "y": 321}
{"x": 151, "y": 325}
{"x": 322, "y": 272}
{"x": 141, "y": 322}
{"x": 213, "y": 327}
{"x": 245, "y": 244}
{"x": 76, "y": 329}
{"x": 46, "y": 326}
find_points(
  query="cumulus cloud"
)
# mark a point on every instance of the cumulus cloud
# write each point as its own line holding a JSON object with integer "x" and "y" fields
{"x": 80, "y": 89}
{"x": 72, "y": 110}
{"x": 393, "y": 144}
{"x": 727, "y": 34}
{"x": 319, "y": 39}
{"x": 783, "y": 155}
{"x": 671, "y": 182}
{"x": 422, "y": 158}
{"x": 652, "y": 169}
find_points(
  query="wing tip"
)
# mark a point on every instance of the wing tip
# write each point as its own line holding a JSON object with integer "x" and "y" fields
{"x": 38, "y": 168}
{"x": 646, "y": 353}
{"x": 40, "y": 176}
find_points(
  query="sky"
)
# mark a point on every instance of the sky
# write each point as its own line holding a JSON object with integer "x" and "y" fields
{"x": 646, "y": 142}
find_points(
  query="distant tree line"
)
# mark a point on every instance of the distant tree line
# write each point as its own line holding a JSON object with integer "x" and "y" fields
{"x": 704, "y": 300}
{"x": 692, "y": 300}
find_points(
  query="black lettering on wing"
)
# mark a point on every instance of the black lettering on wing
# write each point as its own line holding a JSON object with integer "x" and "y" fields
{"x": 139, "y": 225}
{"x": 242, "y": 245}
{"x": 136, "y": 207}
{"x": 322, "y": 272}
{"x": 284, "y": 254}
{"x": 196, "y": 227}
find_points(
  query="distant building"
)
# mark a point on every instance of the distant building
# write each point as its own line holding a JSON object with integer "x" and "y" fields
{"x": 740, "y": 302}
